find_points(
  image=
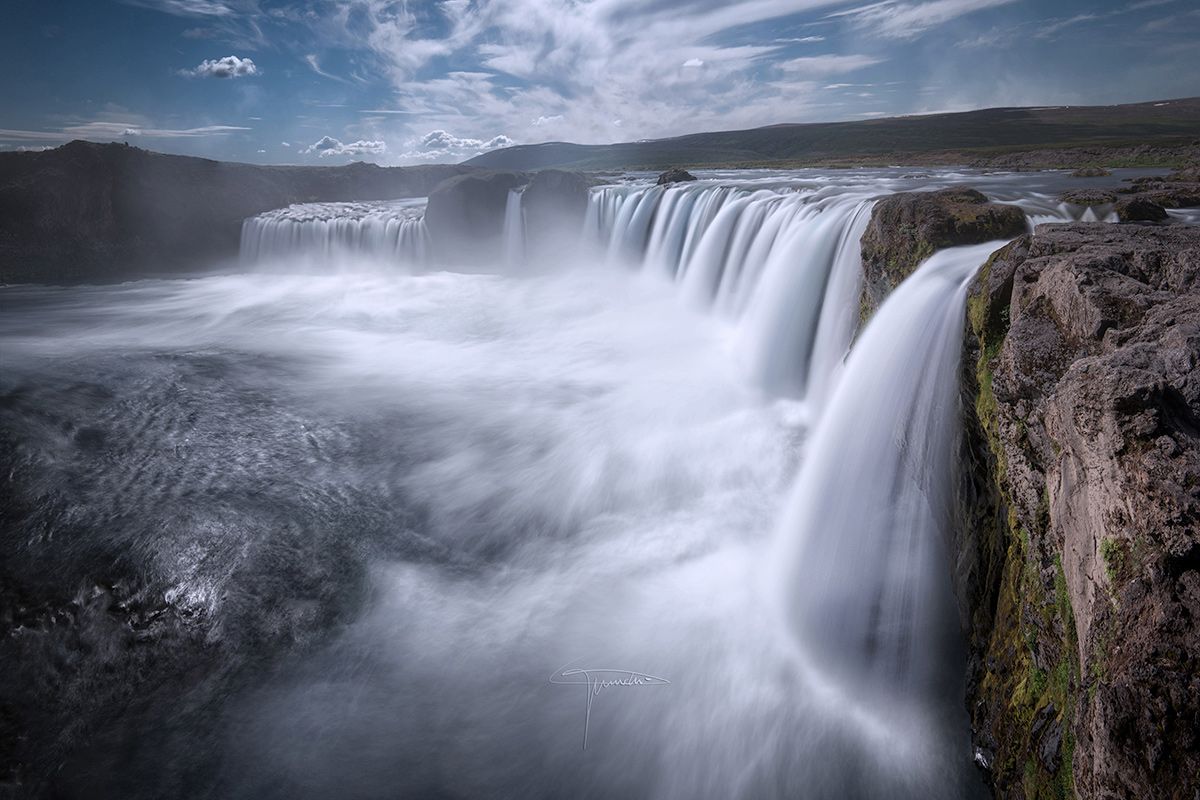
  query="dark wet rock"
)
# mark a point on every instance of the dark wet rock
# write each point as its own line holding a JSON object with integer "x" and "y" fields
{"x": 465, "y": 216}
{"x": 554, "y": 203}
{"x": 1140, "y": 209}
{"x": 1088, "y": 197}
{"x": 907, "y": 228}
{"x": 1047, "y": 731}
{"x": 1146, "y": 199}
{"x": 675, "y": 175}
{"x": 1083, "y": 396}
{"x": 1091, "y": 172}
{"x": 1189, "y": 174}
{"x": 93, "y": 212}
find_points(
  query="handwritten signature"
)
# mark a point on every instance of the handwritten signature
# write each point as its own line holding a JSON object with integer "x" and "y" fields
{"x": 597, "y": 680}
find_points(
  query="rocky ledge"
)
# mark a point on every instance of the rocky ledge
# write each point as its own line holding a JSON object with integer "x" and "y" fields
{"x": 907, "y": 228}
{"x": 1144, "y": 199}
{"x": 1080, "y": 506}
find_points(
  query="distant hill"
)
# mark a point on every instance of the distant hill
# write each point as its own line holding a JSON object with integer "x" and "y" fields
{"x": 1155, "y": 133}
{"x": 87, "y": 211}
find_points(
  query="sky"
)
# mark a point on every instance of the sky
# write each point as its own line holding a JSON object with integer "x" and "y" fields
{"x": 426, "y": 81}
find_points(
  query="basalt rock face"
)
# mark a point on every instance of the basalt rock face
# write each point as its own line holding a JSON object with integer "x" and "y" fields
{"x": 465, "y": 216}
{"x": 86, "y": 212}
{"x": 907, "y": 228}
{"x": 1081, "y": 488}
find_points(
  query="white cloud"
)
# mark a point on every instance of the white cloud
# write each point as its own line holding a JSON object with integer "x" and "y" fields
{"x": 315, "y": 64}
{"x": 441, "y": 145}
{"x": 329, "y": 146}
{"x": 1054, "y": 27}
{"x": 896, "y": 20}
{"x": 801, "y": 40}
{"x": 823, "y": 66}
{"x": 559, "y": 69}
{"x": 187, "y": 8}
{"x": 227, "y": 67}
{"x": 105, "y": 130}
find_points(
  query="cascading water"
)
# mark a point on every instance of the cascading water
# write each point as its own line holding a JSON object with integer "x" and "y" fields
{"x": 783, "y": 266}
{"x": 514, "y": 230}
{"x": 865, "y": 575}
{"x": 390, "y": 231}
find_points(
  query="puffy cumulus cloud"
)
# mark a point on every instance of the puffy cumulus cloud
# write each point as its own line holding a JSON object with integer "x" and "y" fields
{"x": 227, "y": 67}
{"x": 442, "y": 145}
{"x": 329, "y": 146}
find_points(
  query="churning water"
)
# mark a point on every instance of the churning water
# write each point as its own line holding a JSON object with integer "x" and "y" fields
{"x": 372, "y": 533}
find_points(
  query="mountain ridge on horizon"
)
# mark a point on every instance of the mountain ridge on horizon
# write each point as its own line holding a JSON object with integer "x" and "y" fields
{"x": 922, "y": 138}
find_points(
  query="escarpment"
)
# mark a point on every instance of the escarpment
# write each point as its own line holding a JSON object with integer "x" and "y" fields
{"x": 1080, "y": 503}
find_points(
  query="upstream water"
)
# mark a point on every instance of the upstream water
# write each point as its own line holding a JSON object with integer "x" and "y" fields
{"x": 367, "y": 532}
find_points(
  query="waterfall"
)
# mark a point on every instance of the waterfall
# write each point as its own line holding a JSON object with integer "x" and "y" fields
{"x": 783, "y": 266}
{"x": 392, "y": 231}
{"x": 865, "y": 570}
{"x": 1041, "y": 208}
{"x": 514, "y": 230}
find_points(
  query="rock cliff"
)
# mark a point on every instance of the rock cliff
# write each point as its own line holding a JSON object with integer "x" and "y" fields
{"x": 1081, "y": 512}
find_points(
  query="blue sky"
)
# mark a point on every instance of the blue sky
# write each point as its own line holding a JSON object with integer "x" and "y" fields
{"x": 332, "y": 81}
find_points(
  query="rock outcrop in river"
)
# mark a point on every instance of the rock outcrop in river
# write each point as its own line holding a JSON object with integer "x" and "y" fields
{"x": 1080, "y": 551}
{"x": 907, "y": 228}
{"x": 466, "y": 214}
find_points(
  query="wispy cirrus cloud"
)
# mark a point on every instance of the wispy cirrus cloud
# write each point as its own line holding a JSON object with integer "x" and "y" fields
{"x": 903, "y": 20}
{"x": 187, "y": 8}
{"x": 113, "y": 130}
{"x": 822, "y": 66}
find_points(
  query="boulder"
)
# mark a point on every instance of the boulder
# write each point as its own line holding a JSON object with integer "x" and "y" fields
{"x": 1091, "y": 172}
{"x": 1140, "y": 209}
{"x": 555, "y": 203}
{"x": 1082, "y": 398}
{"x": 465, "y": 217}
{"x": 1088, "y": 197}
{"x": 905, "y": 229}
{"x": 675, "y": 175}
